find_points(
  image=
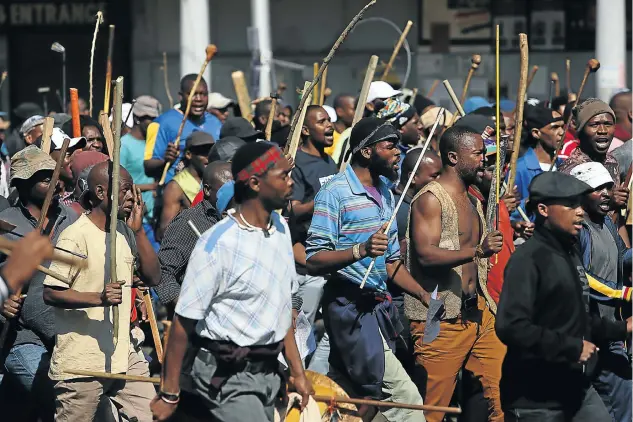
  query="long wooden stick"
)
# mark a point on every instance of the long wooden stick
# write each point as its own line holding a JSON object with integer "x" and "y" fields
{"x": 114, "y": 200}
{"x": 433, "y": 88}
{"x": 92, "y": 53}
{"x": 147, "y": 299}
{"x": 323, "y": 87}
{"x": 104, "y": 121}
{"x": 56, "y": 256}
{"x": 241, "y": 91}
{"x": 396, "y": 49}
{"x": 532, "y": 74}
{"x": 210, "y": 52}
{"x": 108, "y": 81}
{"x": 378, "y": 403}
{"x": 315, "y": 72}
{"x": 74, "y": 112}
{"x": 498, "y": 120}
{"x": 271, "y": 115}
{"x": 568, "y": 75}
{"x": 440, "y": 115}
{"x": 166, "y": 81}
{"x": 41, "y": 269}
{"x": 475, "y": 61}
{"x": 293, "y": 145}
{"x": 454, "y": 98}
{"x": 47, "y": 132}
{"x": 52, "y": 186}
{"x": 592, "y": 66}
{"x": 523, "y": 47}
{"x": 326, "y": 61}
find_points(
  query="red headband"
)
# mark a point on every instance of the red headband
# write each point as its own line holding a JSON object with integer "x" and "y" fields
{"x": 261, "y": 165}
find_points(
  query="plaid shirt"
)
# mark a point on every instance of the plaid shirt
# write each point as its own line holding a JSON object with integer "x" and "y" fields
{"x": 346, "y": 214}
{"x": 239, "y": 283}
{"x": 578, "y": 157}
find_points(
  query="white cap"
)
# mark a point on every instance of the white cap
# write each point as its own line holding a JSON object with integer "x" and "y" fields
{"x": 594, "y": 174}
{"x": 381, "y": 90}
{"x": 217, "y": 100}
{"x": 125, "y": 113}
{"x": 331, "y": 113}
{"x": 58, "y": 136}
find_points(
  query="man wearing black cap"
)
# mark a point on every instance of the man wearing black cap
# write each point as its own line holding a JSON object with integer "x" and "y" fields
{"x": 235, "y": 302}
{"x": 351, "y": 212}
{"x": 240, "y": 127}
{"x": 182, "y": 189}
{"x": 544, "y": 317}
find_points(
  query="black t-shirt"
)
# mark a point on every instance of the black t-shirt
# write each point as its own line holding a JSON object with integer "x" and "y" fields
{"x": 309, "y": 174}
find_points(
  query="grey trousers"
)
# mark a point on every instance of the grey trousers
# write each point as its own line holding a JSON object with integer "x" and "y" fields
{"x": 244, "y": 397}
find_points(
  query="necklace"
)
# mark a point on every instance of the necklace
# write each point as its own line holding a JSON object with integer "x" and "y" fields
{"x": 250, "y": 226}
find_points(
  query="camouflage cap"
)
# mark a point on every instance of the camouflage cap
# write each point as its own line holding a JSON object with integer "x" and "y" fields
{"x": 30, "y": 160}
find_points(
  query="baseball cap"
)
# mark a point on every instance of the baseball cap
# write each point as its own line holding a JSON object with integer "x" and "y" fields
{"x": 473, "y": 103}
{"x": 371, "y": 130}
{"x": 30, "y": 160}
{"x": 537, "y": 117}
{"x": 506, "y": 105}
{"x": 331, "y": 113}
{"x": 145, "y": 105}
{"x": 86, "y": 159}
{"x": 381, "y": 90}
{"x": 125, "y": 114}
{"x": 225, "y": 148}
{"x": 240, "y": 127}
{"x": 58, "y": 136}
{"x": 26, "y": 110}
{"x": 556, "y": 185}
{"x": 199, "y": 138}
{"x": 217, "y": 100}
{"x": 224, "y": 195}
{"x": 592, "y": 173}
{"x": 30, "y": 123}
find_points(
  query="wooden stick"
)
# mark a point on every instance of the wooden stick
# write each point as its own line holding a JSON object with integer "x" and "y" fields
{"x": 440, "y": 115}
{"x": 241, "y": 91}
{"x": 108, "y": 376}
{"x": 41, "y": 269}
{"x": 114, "y": 199}
{"x": 56, "y": 256}
{"x": 414, "y": 93}
{"x": 378, "y": 403}
{"x": 433, "y": 88}
{"x": 475, "y": 61}
{"x": 568, "y": 75}
{"x": 47, "y": 132}
{"x": 592, "y": 67}
{"x": 532, "y": 74}
{"x": 153, "y": 325}
{"x": 107, "y": 132}
{"x": 396, "y": 49}
{"x": 52, "y": 186}
{"x": 364, "y": 91}
{"x": 498, "y": 120}
{"x": 92, "y": 53}
{"x": 554, "y": 77}
{"x": 210, "y": 52}
{"x": 293, "y": 145}
{"x": 74, "y": 112}
{"x": 451, "y": 94}
{"x": 519, "y": 209}
{"x": 271, "y": 115}
{"x": 108, "y": 81}
{"x": 166, "y": 80}
{"x": 326, "y": 61}
{"x": 323, "y": 87}
{"x": 315, "y": 72}
{"x": 3, "y": 78}
{"x": 523, "y": 47}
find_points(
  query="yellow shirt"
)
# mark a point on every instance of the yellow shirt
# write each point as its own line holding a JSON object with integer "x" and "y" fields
{"x": 189, "y": 185}
{"x": 331, "y": 150}
{"x": 84, "y": 336}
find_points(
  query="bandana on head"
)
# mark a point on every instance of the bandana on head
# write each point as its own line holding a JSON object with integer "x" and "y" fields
{"x": 384, "y": 132}
{"x": 396, "y": 112}
{"x": 261, "y": 165}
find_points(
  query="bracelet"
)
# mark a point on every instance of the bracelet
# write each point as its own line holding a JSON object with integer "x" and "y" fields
{"x": 479, "y": 252}
{"x": 171, "y": 398}
{"x": 356, "y": 251}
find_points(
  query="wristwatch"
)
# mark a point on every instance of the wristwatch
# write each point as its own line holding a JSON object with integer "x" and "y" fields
{"x": 356, "y": 252}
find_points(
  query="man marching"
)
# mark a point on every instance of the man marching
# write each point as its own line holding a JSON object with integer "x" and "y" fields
{"x": 235, "y": 301}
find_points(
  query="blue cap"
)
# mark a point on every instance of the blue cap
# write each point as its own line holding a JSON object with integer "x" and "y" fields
{"x": 506, "y": 105}
{"x": 225, "y": 194}
{"x": 473, "y": 103}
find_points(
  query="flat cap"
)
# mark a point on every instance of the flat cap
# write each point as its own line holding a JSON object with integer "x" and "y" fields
{"x": 555, "y": 185}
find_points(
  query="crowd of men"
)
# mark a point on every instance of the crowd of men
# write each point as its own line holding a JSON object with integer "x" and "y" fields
{"x": 525, "y": 317}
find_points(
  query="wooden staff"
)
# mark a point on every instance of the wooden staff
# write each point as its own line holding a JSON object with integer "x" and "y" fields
{"x": 104, "y": 121}
{"x": 47, "y": 132}
{"x": 108, "y": 81}
{"x": 523, "y": 47}
{"x": 592, "y": 67}
{"x": 41, "y": 269}
{"x": 568, "y": 75}
{"x": 92, "y": 52}
{"x": 532, "y": 74}
{"x": 433, "y": 88}
{"x": 52, "y": 186}
{"x": 451, "y": 94}
{"x": 293, "y": 144}
{"x": 497, "y": 121}
{"x": 475, "y": 61}
{"x": 396, "y": 49}
{"x": 114, "y": 201}
{"x": 166, "y": 80}
{"x": 554, "y": 78}
{"x": 323, "y": 87}
{"x": 326, "y": 61}
{"x": 9, "y": 228}
{"x": 153, "y": 325}
{"x": 56, "y": 256}
{"x": 315, "y": 72}
{"x": 74, "y": 112}
{"x": 440, "y": 115}
{"x": 241, "y": 91}
{"x": 414, "y": 93}
{"x": 210, "y": 52}
{"x": 271, "y": 115}
{"x": 3, "y": 78}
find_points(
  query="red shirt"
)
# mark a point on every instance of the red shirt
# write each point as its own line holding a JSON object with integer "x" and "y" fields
{"x": 199, "y": 197}
{"x": 499, "y": 261}
{"x": 570, "y": 143}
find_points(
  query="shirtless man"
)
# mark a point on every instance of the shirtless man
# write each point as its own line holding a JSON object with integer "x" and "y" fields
{"x": 450, "y": 250}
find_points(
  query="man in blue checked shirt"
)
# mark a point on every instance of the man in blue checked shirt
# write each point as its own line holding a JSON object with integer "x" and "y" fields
{"x": 351, "y": 212}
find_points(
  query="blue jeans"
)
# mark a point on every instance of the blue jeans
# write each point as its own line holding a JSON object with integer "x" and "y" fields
{"x": 149, "y": 231}
{"x": 320, "y": 359}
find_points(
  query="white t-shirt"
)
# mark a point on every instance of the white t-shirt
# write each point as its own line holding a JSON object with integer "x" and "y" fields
{"x": 239, "y": 283}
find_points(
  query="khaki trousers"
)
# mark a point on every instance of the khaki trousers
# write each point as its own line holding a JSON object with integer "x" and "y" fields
{"x": 80, "y": 400}
{"x": 461, "y": 344}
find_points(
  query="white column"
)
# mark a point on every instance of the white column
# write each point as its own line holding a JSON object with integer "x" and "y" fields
{"x": 610, "y": 47}
{"x": 195, "y": 35}
{"x": 260, "y": 15}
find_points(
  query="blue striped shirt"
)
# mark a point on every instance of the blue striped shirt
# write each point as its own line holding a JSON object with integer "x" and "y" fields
{"x": 346, "y": 214}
